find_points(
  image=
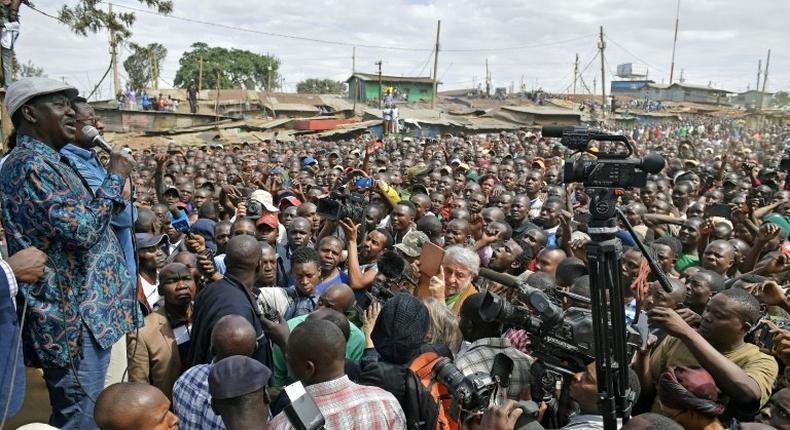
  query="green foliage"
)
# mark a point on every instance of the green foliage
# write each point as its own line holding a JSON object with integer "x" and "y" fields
{"x": 236, "y": 68}
{"x": 782, "y": 98}
{"x": 90, "y": 16}
{"x": 28, "y": 70}
{"x": 320, "y": 86}
{"x": 140, "y": 66}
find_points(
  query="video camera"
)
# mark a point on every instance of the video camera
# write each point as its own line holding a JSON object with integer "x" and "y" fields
{"x": 562, "y": 341}
{"x": 341, "y": 205}
{"x": 609, "y": 170}
{"x": 474, "y": 392}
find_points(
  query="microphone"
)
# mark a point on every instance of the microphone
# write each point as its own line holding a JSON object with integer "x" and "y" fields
{"x": 554, "y": 130}
{"x": 95, "y": 138}
{"x": 505, "y": 279}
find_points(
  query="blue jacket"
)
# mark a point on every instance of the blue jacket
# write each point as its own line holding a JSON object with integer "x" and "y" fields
{"x": 89, "y": 167}
{"x": 9, "y": 354}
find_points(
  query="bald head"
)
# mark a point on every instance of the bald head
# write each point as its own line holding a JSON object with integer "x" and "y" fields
{"x": 242, "y": 253}
{"x": 334, "y": 317}
{"x": 316, "y": 351}
{"x": 339, "y": 297}
{"x": 133, "y": 406}
{"x": 232, "y": 335}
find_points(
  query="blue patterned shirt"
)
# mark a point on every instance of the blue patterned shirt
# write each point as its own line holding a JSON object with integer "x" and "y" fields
{"x": 86, "y": 285}
{"x": 192, "y": 401}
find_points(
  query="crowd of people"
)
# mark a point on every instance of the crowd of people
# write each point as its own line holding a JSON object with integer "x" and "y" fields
{"x": 132, "y": 99}
{"x": 185, "y": 287}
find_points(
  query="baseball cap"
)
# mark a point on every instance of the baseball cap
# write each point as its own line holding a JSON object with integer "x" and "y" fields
{"x": 23, "y": 90}
{"x": 264, "y": 198}
{"x": 412, "y": 243}
{"x": 236, "y": 376}
{"x": 309, "y": 161}
{"x": 148, "y": 240}
{"x": 172, "y": 190}
{"x": 269, "y": 219}
{"x": 289, "y": 201}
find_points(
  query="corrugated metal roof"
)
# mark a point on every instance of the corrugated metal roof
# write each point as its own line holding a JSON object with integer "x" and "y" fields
{"x": 386, "y": 78}
{"x": 541, "y": 110}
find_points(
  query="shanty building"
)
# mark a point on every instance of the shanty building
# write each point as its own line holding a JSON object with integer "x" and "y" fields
{"x": 677, "y": 92}
{"x": 364, "y": 87}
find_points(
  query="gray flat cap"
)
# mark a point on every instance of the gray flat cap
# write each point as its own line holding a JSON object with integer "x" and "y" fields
{"x": 21, "y": 91}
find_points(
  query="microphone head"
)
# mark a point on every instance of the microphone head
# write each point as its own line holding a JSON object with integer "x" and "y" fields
{"x": 554, "y": 130}
{"x": 653, "y": 163}
{"x": 90, "y": 132}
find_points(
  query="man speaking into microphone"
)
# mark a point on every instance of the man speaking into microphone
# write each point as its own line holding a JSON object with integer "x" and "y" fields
{"x": 83, "y": 158}
{"x": 84, "y": 303}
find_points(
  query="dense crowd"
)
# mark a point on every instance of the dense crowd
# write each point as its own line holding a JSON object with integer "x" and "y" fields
{"x": 211, "y": 277}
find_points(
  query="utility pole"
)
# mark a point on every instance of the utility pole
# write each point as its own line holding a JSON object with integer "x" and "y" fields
{"x": 436, "y": 65}
{"x": 602, "y": 47}
{"x": 216, "y": 100}
{"x": 575, "y": 73}
{"x": 354, "y": 91}
{"x": 378, "y": 63}
{"x": 488, "y": 80}
{"x": 200, "y": 75}
{"x": 759, "y": 72}
{"x": 353, "y": 60}
{"x": 594, "y": 87}
{"x": 765, "y": 81}
{"x": 116, "y": 79}
{"x": 674, "y": 44}
{"x": 154, "y": 71}
{"x": 682, "y": 78}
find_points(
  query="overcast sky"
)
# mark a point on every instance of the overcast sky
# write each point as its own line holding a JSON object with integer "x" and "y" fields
{"x": 719, "y": 41}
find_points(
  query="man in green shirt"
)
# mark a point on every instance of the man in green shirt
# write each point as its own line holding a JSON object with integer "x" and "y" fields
{"x": 339, "y": 297}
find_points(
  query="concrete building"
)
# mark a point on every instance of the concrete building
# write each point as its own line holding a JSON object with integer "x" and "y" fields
{"x": 364, "y": 87}
{"x": 677, "y": 92}
{"x": 751, "y": 99}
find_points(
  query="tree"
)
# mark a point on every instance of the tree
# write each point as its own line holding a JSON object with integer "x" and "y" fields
{"x": 143, "y": 63}
{"x": 782, "y": 98}
{"x": 320, "y": 86}
{"x": 87, "y": 16}
{"x": 29, "y": 70}
{"x": 236, "y": 68}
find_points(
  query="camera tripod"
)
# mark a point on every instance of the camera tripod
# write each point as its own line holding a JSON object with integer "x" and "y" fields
{"x": 604, "y": 253}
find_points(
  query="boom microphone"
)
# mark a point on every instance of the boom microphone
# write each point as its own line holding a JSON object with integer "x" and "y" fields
{"x": 95, "y": 138}
{"x": 505, "y": 279}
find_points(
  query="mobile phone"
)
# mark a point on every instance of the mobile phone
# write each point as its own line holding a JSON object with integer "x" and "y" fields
{"x": 721, "y": 210}
{"x": 364, "y": 182}
{"x": 431, "y": 259}
{"x": 181, "y": 225}
{"x": 763, "y": 337}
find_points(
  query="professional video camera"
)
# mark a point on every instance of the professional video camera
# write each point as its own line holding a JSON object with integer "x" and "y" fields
{"x": 341, "y": 205}
{"x": 562, "y": 341}
{"x": 609, "y": 170}
{"x": 392, "y": 273}
{"x": 474, "y": 392}
{"x": 604, "y": 180}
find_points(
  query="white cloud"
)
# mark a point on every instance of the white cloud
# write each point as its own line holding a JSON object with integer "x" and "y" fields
{"x": 719, "y": 41}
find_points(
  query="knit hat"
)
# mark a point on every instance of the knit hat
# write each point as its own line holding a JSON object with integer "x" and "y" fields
{"x": 401, "y": 328}
{"x": 690, "y": 389}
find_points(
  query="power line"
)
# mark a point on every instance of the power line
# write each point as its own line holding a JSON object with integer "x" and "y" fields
{"x": 632, "y": 54}
{"x": 339, "y": 43}
{"x": 267, "y": 33}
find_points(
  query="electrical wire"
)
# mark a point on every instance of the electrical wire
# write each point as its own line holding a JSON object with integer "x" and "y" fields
{"x": 632, "y": 54}
{"x": 350, "y": 44}
{"x": 100, "y": 82}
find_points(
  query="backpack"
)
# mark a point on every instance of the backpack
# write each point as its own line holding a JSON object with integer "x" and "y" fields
{"x": 427, "y": 403}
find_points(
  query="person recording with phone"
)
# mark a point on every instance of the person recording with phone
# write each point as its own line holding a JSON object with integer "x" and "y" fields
{"x": 85, "y": 303}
